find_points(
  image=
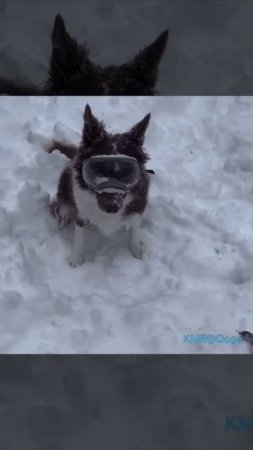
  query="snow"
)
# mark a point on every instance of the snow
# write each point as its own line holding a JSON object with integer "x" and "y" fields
{"x": 100, "y": 179}
{"x": 201, "y": 36}
{"x": 196, "y": 274}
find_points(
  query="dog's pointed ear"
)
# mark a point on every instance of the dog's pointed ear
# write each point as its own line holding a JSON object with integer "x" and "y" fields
{"x": 59, "y": 30}
{"x": 152, "y": 54}
{"x": 137, "y": 133}
{"x": 68, "y": 58}
{"x": 60, "y": 36}
{"x": 93, "y": 129}
{"x": 146, "y": 63}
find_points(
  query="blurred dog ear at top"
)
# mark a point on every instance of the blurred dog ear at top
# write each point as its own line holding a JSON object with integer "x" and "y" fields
{"x": 71, "y": 71}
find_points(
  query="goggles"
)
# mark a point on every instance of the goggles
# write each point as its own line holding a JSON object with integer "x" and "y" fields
{"x": 111, "y": 173}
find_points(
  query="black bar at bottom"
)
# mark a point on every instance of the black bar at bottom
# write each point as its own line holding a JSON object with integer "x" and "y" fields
{"x": 126, "y": 402}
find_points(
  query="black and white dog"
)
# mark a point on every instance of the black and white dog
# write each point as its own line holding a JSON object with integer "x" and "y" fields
{"x": 105, "y": 185}
{"x": 71, "y": 72}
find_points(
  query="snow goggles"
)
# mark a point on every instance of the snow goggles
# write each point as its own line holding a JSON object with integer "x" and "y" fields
{"x": 111, "y": 173}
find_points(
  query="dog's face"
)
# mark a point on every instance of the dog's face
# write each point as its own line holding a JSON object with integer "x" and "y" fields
{"x": 96, "y": 141}
{"x": 71, "y": 71}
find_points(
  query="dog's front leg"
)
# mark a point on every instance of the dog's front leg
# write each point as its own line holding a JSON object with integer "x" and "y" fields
{"x": 77, "y": 256}
{"x": 136, "y": 245}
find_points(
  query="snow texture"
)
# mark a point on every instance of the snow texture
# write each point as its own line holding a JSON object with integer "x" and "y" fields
{"x": 196, "y": 273}
{"x": 213, "y": 35}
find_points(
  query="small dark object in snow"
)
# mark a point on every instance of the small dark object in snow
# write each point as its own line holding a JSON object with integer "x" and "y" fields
{"x": 247, "y": 336}
{"x": 150, "y": 171}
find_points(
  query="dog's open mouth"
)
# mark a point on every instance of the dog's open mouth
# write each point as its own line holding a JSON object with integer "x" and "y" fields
{"x": 110, "y": 202}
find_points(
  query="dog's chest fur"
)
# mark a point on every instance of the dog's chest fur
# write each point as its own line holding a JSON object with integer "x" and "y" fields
{"x": 88, "y": 209}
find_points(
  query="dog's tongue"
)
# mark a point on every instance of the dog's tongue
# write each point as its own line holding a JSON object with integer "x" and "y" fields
{"x": 111, "y": 203}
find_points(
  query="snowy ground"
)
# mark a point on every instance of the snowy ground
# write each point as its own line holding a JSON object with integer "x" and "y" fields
{"x": 217, "y": 35}
{"x": 196, "y": 275}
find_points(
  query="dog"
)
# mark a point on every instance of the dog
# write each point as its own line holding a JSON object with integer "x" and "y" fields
{"x": 115, "y": 201}
{"x": 71, "y": 72}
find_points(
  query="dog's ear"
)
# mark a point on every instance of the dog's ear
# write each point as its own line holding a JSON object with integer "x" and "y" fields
{"x": 59, "y": 33}
{"x": 137, "y": 133}
{"x": 93, "y": 129}
{"x": 68, "y": 58}
{"x": 144, "y": 67}
{"x": 61, "y": 39}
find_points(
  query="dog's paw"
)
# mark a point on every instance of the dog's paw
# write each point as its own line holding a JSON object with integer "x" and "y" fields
{"x": 76, "y": 260}
{"x": 64, "y": 214}
{"x": 136, "y": 248}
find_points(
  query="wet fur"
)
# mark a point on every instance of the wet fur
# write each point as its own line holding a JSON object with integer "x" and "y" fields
{"x": 71, "y": 72}
{"x": 75, "y": 202}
